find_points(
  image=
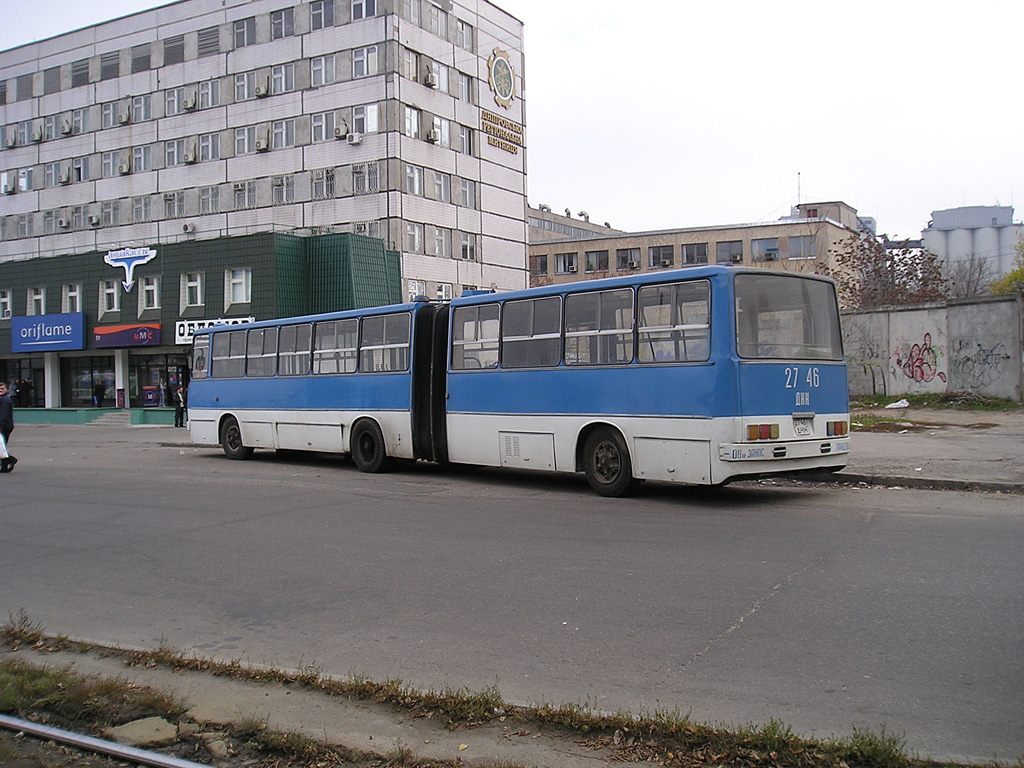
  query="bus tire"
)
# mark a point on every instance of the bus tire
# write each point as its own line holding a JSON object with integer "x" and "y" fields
{"x": 231, "y": 440}
{"x": 606, "y": 463}
{"x": 367, "y": 445}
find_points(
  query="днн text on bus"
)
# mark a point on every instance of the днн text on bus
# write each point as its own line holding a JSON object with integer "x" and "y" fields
{"x": 701, "y": 375}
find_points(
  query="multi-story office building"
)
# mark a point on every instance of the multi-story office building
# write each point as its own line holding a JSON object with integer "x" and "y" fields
{"x": 206, "y": 120}
{"x": 804, "y": 241}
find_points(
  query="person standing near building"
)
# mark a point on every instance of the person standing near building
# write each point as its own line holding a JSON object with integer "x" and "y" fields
{"x": 179, "y": 407}
{"x": 6, "y": 427}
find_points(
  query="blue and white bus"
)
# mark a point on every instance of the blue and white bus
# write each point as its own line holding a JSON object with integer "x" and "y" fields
{"x": 702, "y": 375}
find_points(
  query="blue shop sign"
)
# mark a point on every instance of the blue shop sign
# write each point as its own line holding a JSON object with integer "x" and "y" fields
{"x": 48, "y": 333}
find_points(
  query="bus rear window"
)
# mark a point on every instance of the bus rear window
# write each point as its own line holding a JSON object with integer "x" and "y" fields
{"x": 782, "y": 317}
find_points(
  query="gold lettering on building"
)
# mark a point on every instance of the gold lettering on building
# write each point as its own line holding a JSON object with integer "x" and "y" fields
{"x": 501, "y": 132}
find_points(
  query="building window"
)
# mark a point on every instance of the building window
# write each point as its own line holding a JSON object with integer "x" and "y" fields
{"x": 660, "y": 256}
{"x": 627, "y": 258}
{"x": 437, "y": 22}
{"x": 141, "y": 209}
{"x": 209, "y": 94}
{"x": 414, "y": 180}
{"x": 79, "y": 73}
{"x": 25, "y": 180}
{"x": 191, "y": 289}
{"x": 729, "y": 252}
{"x": 412, "y": 123}
{"x": 141, "y": 159}
{"x": 36, "y": 303}
{"x": 237, "y": 286}
{"x": 321, "y": 14}
{"x": 78, "y": 217}
{"x": 566, "y": 263}
{"x": 80, "y": 168}
{"x": 174, "y": 50}
{"x": 364, "y": 118}
{"x": 209, "y": 42}
{"x": 245, "y": 195}
{"x": 5, "y": 304}
{"x": 467, "y": 193}
{"x": 71, "y": 298}
{"x": 469, "y": 246}
{"x": 284, "y": 133}
{"x": 110, "y": 65}
{"x": 414, "y": 237}
{"x": 109, "y": 213}
{"x": 245, "y": 32}
{"x": 410, "y": 65}
{"x": 78, "y": 121}
{"x": 323, "y": 184}
{"x": 367, "y": 228}
{"x": 596, "y": 261}
{"x": 765, "y": 249}
{"x": 283, "y": 188}
{"x": 51, "y": 126}
{"x": 149, "y": 293}
{"x": 363, "y": 9}
{"x": 464, "y": 35}
{"x": 411, "y": 11}
{"x": 365, "y": 178}
{"x": 443, "y": 243}
{"x": 209, "y": 200}
{"x": 803, "y": 247}
{"x": 174, "y": 152}
{"x": 282, "y": 24}
{"x": 321, "y": 70}
{"x": 444, "y": 291}
{"x": 141, "y": 108}
{"x": 110, "y": 297}
{"x": 174, "y": 205}
{"x": 442, "y": 187}
{"x": 465, "y": 87}
{"x": 174, "y": 100}
{"x": 539, "y": 265}
{"x": 51, "y": 173}
{"x": 24, "y": 131}
{"x": 245, "y": 140}
{"x": 209, "y": 146}
{"x": 441, "y": 134}
{"x": 49, "y": 222}
{"x": 465, "y": 140}
{"x": 245, "y": 86}
{"x": 323, "y": 127}
{"x": 417, "y": 288}
{"x": 24, "y": 86}
{"x": 140, "y": 58}
{"x": 282, "y": 78}
{"x": 25, "y": 228}
{"x": 694, "y": 253}
{"x": 364, "y": 61}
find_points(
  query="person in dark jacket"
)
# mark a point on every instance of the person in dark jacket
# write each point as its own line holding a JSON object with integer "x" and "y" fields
{"x": 6, "y": 427}
{"x": 180, "y": 404}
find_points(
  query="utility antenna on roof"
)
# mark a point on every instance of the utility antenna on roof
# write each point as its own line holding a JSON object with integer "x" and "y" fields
{"x": 798, "y": 187}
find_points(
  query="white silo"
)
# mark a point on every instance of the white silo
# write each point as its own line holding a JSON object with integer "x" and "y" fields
{"x": 986, "y": 248}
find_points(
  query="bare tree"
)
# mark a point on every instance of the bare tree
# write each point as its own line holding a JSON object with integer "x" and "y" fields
{"x": 1013, "y": 281}
{"x": 969, "y": 277}
{"x": 868, "y": 274}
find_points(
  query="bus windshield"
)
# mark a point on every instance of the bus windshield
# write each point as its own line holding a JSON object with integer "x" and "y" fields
{"x": 779, "y": 317}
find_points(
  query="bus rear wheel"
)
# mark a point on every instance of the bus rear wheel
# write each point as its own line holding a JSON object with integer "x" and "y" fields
{"x": 368, "y": 451}
{"x": 231, "y": 440}
{"x": 606, "y": 463}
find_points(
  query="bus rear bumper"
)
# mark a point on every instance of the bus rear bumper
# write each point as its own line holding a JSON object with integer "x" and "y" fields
{"x": 781, "y": 451}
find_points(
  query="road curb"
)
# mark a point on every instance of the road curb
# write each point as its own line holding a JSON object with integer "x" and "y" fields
{"x": 926, "y": 483}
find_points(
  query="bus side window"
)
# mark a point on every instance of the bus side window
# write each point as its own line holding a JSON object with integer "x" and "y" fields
{"x": 531, "y": 333}
{"x": 228, "y": 359}
{"x": 599, "y": 327}
{"x": 261, "y": 352}
{"x": 200, "y": 356}
{"x": 384, "y": 343}
{"x": 294, "y": 350}
{"x": 475, "y": 337}
{"x": 674, "y": 322}
{"x": 334, "y": 346}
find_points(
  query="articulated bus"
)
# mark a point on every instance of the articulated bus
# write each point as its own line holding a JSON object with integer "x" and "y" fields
{"x": 702, "y": 375}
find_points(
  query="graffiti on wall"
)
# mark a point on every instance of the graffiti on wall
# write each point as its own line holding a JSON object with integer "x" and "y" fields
{"x": 866, "y": 356}
{"x": 976, "y": 365}
{"x": 919, "y": 362}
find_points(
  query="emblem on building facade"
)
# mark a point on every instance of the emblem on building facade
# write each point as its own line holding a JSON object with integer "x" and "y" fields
{"x": 501, "y": 77}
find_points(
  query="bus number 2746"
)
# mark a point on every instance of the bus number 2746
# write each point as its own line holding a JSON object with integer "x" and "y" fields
{"x": 793, "y": 378}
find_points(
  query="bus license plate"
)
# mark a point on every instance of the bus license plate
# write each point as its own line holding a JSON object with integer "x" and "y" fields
{"x": 803, "y": 427}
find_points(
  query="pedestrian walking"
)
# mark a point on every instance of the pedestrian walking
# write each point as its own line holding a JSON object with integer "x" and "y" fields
{"x": 7, "y": 461}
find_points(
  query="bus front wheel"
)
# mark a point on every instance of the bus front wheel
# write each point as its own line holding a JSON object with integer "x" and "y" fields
{"x": 606, "y": 463}
{"x": 368, "y": 450}
{"x": 231, "y": 440}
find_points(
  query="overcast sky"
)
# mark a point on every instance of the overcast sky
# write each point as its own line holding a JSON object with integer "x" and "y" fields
{"x": 679, "y": 114}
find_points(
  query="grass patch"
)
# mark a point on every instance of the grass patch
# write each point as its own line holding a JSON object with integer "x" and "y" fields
{"x": 965, "y": 401}
{"x": 666, "y": 738}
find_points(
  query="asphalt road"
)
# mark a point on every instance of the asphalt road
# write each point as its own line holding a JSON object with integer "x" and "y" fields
{"x": 827, "y": 608}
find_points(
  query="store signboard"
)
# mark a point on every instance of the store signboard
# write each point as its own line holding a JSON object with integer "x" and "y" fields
{"x": 133, "y": 335}
{"x": 183, "y": 329}
{"x": 48, "y": 333}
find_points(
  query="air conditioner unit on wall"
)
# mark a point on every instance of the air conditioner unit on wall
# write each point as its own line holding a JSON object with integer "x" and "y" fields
{"x": 94, "y": 220}
{"x": 190, "y": 100}
{"x": 190, "y": 155}
{"x": 65, "y": 126}
{"x": 263, "y": 88}
{"x": 262, "y": 144}
{"x": 124, "y": 117}
{"x": 37, "y": 135}
{"x": 10, "y": 186}
{"x": 10, "y": 141}
{"x": 634, "y": 265}
{"x": 355, "y": 138}
{"x": 124, "y": 169}
{"x": 63, "y": 223}
{"x": 433, "y": 136}
{"x": 64, "y": 177}
{"x": 429, "y": 80}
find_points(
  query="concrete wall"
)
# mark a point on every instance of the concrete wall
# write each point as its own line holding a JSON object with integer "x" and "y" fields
{"x": 971, "y": 345}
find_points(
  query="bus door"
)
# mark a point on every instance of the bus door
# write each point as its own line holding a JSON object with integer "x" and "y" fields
{"x": 429, "y": 366}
